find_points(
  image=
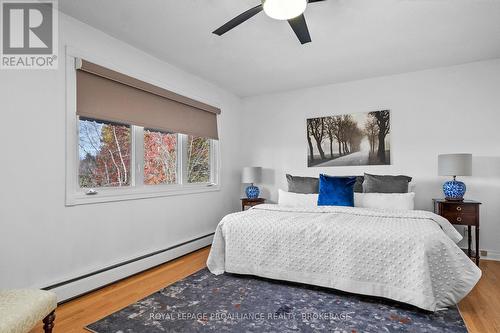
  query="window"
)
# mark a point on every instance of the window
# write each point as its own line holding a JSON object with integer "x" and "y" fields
{"x": 198, "y": 159}
{"x": 113, "y": 156}
{"x": 104, "y": 151}
{"x": 160, "y": 158}
{"x": 129, "y": 139}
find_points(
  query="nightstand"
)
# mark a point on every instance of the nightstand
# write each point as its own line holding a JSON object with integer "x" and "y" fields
{"x": 461, "y": 213}
{"x": 245, "y": 202}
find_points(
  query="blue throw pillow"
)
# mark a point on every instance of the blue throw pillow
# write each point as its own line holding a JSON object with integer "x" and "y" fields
{"x": 336, "y": 191}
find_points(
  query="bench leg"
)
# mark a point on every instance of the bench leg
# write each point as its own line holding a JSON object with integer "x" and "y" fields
{"x": 48, "y": 322}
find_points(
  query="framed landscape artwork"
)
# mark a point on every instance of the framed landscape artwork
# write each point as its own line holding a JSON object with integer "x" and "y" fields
{"x": 350, "y": 139}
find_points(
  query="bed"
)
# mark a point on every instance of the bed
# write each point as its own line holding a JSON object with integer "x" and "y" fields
{"x": 406, "y": 256}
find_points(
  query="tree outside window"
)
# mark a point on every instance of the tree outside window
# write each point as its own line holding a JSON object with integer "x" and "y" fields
{"x": 105, "y": 153}
{"x": 198, "y": 151}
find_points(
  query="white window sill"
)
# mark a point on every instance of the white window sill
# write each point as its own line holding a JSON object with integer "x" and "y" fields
{"x": 136, "y": 193}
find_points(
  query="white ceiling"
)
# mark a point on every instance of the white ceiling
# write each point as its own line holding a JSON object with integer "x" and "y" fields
{"x": 352, "y": 39}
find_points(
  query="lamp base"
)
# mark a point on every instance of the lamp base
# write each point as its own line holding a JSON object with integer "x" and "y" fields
{"x": 454, "y": 199}
{"x": 252, "y": 192}
{"x": 454, "y": 190}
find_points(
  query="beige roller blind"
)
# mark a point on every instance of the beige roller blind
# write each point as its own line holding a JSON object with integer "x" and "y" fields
{"x": 108, "y": 95}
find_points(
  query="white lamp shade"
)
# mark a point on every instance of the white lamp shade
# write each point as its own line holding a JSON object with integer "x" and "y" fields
{"x": 251, "y": 175}
{"x": 455, "y": 165}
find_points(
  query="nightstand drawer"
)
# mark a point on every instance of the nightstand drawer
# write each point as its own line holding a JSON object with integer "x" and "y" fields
{"x": 459, "y": 209}
{"x": 458, "y": 213}
{"x": 460, "y": 218}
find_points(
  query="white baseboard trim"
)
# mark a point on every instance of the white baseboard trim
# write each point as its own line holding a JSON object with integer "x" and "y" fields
{"x": 492, "y": 255}
{"x": 81, "y": 286}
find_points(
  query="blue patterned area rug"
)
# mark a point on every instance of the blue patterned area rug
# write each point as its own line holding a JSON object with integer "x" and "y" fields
{"x": 204, "y": 302}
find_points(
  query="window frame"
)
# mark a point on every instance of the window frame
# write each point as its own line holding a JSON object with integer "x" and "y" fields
{"x": 137, "y": 189}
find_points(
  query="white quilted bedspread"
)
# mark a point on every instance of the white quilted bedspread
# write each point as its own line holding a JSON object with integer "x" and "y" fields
{"x": 409, "y": 257}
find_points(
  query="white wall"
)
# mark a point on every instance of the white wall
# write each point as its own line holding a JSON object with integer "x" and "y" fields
{"x": 447, "y": 110}
{"x": 41, "y": 240}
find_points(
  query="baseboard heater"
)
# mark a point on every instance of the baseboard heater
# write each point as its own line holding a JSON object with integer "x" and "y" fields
{"x": 81, "y": 285}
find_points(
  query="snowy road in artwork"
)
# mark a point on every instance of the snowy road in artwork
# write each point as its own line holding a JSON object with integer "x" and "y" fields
{"x": 358, "y": 158}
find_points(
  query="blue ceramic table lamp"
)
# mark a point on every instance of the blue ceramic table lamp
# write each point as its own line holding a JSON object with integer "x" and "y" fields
{"x": 251, "y": 175}
{"x": 454, "y": 165}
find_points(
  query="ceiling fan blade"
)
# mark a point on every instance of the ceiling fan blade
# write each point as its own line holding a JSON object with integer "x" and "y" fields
{"x": 238, "y": 20}
{"x": 311, "y": 1}
{"x": 299, "y": 26}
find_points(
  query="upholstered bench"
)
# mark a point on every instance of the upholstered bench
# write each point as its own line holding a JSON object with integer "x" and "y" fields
{"x": 22, "y": 309}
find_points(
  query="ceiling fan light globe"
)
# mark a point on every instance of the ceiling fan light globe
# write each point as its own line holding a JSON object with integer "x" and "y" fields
{"x": 284, "y": 9}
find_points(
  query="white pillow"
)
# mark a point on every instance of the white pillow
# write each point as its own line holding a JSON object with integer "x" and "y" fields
{"x": 291, "y": 199}
{"x": 397, "y": 201}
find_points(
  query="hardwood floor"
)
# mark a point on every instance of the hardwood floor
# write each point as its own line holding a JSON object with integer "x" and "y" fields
{"x": 480, "y": 309}
{"x": 73, "y": 316}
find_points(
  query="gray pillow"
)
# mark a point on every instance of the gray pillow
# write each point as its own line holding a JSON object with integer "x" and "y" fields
{"x": 309, "y": 185}
{"x": 358, "y": 186}
{"x": 302, "y": 184}
{"x": 385, "y": 184}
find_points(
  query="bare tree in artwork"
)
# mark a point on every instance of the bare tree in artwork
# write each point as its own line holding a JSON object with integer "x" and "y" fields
{"x": 355, "y": 138}
{"x": 383, "y": 123}
{"x": 336, "y": 124}
{"x": 371, "y": 132}
{"x": 331, "y": 128}
{"x": 345, "y": 131}
{"x": 318, "y": 132}
{"x": 348, "y": 126}
{"x": 309, "y": 141}
{"x": 349, "y": 139}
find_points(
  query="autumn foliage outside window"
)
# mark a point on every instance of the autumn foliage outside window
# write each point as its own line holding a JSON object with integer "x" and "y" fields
{"x": 160, "y": 158}
{"x": 198, "y": 150}
{"x": 105, "y": 152}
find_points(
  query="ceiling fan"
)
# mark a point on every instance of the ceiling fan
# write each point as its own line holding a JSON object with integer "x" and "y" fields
{"x": 290, "y": 10}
